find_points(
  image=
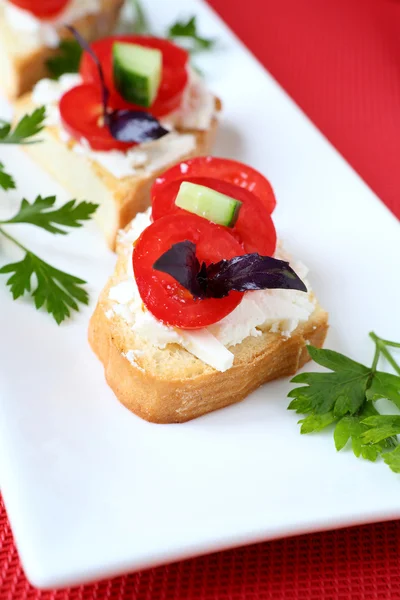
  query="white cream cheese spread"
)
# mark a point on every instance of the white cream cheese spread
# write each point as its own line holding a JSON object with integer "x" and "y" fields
{"x": 196, "y": 112}
{"x": 279, "y": 311}
{"x": 44, "y": 32}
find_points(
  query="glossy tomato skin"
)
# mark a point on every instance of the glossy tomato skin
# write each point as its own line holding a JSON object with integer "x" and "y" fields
{"x": 81, "y": 115}
{"x": 174, "y": 72}
{"x": 164, "y": 297}
{"x": 43, "y": 9}
{"x": 224, "y": 169}
{"x": 254, "y": 227}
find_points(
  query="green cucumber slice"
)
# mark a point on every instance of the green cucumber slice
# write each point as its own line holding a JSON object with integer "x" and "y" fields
{"x": 137, "y": 72}
{"x": 208, "y": 203}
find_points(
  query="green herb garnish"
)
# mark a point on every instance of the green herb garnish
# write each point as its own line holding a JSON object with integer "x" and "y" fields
{"x": 345, "y": 397}
{"x": 184, "y": 31}
{"x": 6, "y": 180}
{"x": 58, "y": 292}
{"x": 66, "y": 60}
{"x": 187, "y": 32}
{"x": 27, "y": 127}
{"x": 70, "y": 214}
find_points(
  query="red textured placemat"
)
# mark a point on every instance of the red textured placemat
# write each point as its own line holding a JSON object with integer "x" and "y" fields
{"x": 361, "y": 563}
{"x": 340, "y": 60}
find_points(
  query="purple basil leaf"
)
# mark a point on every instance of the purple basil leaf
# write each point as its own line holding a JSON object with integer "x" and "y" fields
{"x": 251, "y": 272}
{"x": 105, "y": 94}
{"x": 134, "y": 126}
{"x": 241, "y": 273}
{"x": 124, "y": 125}
{"x": 181, "y": 262}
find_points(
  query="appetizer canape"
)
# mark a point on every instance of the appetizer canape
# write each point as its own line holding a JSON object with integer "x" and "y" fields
{"x": 204, "y": 305}
{"x": 134, "y": 109}
{"x": 30, "y": 32}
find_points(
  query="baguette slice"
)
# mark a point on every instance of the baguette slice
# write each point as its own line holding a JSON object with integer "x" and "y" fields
{"x": 119, "y": 199}
{"x": 171, "y": 385}
{"x": 22, "y": 63}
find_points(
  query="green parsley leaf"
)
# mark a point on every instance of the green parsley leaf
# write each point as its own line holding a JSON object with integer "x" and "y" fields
{"x": 27, "y": 127}
{"x": 316, "y": 422}
{"x": 70, "y": 214}
{"x": 341, "y": 391}
{"x": 141, "y": 24}
{"x": 57, "y": 291}
{"x": 66, "y": 60}
{"x": 392, "y": 459}
{"x": 381, "y": 427}
{"x": 350, "y": 427}
{"x": 301, "y": 405}
{"x": 385, "y": 385}
{"x": 356, "y": 428}
{"x": 188, "y": 29}
{"x": 6, "y": 181}
{"x": 5, "y": 128}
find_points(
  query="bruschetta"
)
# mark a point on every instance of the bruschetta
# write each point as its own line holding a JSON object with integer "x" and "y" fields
{"x": 204, "y": 305}
{"x": 80, "y": 149}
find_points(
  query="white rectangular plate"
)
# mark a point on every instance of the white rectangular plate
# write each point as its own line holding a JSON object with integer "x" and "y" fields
{"x": 93, "y": 491}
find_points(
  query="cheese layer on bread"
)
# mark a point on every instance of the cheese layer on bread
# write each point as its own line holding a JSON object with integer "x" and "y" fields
{"x": 278, "y": 311}
{"x": 195, "y": 113}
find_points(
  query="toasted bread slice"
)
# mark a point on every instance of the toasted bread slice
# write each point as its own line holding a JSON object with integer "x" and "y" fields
{"x": 119, "y": 199}
{"x": 23, "y": 63}
{"x": 171, "y": 385}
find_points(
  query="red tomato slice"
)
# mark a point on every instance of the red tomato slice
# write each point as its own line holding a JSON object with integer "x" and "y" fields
{"x": 42, "y": 8}
{"x": 254, "y": 227}
{"x": 174, "y": 73}
{"x": 81, "y": 113}
{"x": 164, "y": 297}
{"x": 225, "y": 169}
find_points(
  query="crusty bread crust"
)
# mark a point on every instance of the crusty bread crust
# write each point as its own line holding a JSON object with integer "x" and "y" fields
{"x": 171, "y": 385}
{"x": 25, "y": 65}
{"x": 257, "y": 361}
{"x": 119, "y": 199}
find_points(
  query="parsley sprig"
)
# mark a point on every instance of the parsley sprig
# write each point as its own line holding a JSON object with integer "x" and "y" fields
{"x": 38, "y": 213}
{"x": 187, "y": 32}
{"x": 6, "y": 181}
{"x": 345, "y": 396}
{"x": 27, "y": 127}
{"x": 58, "y": 292}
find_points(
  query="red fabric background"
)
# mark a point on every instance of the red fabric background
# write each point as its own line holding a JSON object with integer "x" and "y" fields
{"x": 340, "y": 60}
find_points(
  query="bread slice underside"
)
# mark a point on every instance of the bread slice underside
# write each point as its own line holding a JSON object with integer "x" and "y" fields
{"x": 119, "y": 199}
{"x": 22, "y": 63}
{"x": 171, "y": 385}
